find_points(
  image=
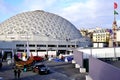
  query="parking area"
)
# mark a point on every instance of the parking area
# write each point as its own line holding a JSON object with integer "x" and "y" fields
{"x": 58, "y": 71}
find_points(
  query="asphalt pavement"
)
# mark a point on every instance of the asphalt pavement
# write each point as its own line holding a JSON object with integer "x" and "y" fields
{"x": 58, "y": 71}
{"x": 68, "y": 69}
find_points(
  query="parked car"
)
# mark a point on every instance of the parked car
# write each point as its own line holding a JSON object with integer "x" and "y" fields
{"x": 41, "y": 68}
{"x": 0, "y": 63}
{"x": 38, "y": 58}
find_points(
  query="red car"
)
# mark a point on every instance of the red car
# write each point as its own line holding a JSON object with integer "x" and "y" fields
{"x": 38, "y": 58}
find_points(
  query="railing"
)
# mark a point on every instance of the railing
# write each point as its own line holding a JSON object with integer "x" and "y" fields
{"x": 98, "y": 70}
{"x": 101, "y": 52}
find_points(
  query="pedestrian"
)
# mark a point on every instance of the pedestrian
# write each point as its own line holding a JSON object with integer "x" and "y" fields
{"x": 46, "y": 56}
{"x": 19, "y": 71}
{"x": 25, "y": 68}
{"x": 15, "y": 73}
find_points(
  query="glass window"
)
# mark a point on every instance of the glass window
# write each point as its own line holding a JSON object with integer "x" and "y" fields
{"x": 51, "y": 45}
{"x": 41, "y": 45}
{"x": 19, "y": 45}
{"x": 61, "y": 45}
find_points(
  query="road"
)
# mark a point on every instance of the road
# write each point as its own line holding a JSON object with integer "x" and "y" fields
{"x": 58, "y": 71}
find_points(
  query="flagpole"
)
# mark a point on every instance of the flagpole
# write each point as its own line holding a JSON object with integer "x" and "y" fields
{"x": 114, "y": 12}
{"x": 114, "y": 23}
{"x": 114, "y": 17}
{"x": 28, "y": 51}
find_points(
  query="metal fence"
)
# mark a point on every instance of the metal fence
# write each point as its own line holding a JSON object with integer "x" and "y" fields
{"x": 112, "y": 52}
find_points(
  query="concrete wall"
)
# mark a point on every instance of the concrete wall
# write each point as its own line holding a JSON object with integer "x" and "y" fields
{"x": 99, "y": 70}
{"x": 78, "y": 57}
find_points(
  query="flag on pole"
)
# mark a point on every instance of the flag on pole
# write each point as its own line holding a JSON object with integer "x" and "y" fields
{"x": 115, "y": 12}
{"x": 115, "y": 5}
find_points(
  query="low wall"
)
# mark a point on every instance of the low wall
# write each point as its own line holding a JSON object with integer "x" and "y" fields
{"x": 99, "y": 70}
{"x": 78, "y": 57}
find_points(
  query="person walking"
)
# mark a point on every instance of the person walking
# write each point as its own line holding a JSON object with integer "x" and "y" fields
{"x": 25, "y": 68}
{"x": 46, "y": 56}
{"x": 15, "y": 73}
{"x": 19, "y": 72}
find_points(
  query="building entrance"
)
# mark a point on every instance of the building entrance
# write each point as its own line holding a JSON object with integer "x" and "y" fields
{"x": 7, "y": 55}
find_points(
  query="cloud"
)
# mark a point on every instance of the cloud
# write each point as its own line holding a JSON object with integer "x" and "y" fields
{"x": 3, "y": 7}
{"x": 91, "y": 13}
{"x": 118, "y": 22}
{"x": 37, "y": 4}
{"x": 8, "y": 10}
{"x": 82, "y": 13}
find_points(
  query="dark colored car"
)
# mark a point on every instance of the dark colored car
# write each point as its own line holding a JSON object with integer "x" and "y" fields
{"x": 0, "y": 64}
{"x": 41, "y": 68}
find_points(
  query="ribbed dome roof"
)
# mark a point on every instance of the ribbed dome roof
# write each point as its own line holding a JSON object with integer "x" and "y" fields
{"x": 40, "y": 22}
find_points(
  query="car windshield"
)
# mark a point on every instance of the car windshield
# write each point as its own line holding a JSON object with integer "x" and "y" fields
{"x": 41, "y": 65}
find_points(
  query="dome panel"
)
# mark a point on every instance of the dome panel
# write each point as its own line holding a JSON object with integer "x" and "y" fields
{"x": 39, "y": 22}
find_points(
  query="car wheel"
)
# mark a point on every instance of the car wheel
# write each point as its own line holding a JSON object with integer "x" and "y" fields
{"x": 40, "y": 72}
{"x": 0, "y": 65}
{"x": 33, "y": 70}
{"x": 48, "y": 72}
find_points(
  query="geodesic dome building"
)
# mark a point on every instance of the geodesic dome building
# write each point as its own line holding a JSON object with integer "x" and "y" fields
{"x": 44, "y": 31}
{"x": 38, "y": 25}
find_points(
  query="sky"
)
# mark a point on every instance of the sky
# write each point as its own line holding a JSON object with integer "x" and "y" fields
{"x": 81, "y": 13}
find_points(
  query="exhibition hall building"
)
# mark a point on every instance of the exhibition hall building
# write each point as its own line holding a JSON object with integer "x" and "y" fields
{"x": 42, "y": 31}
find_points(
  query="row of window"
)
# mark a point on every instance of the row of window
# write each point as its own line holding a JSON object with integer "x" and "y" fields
{"x": 100, "y": 40}
{"x": 32, "y": 45}
{"x": 22, "y": 50}
{"x": 101, "y": 36}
